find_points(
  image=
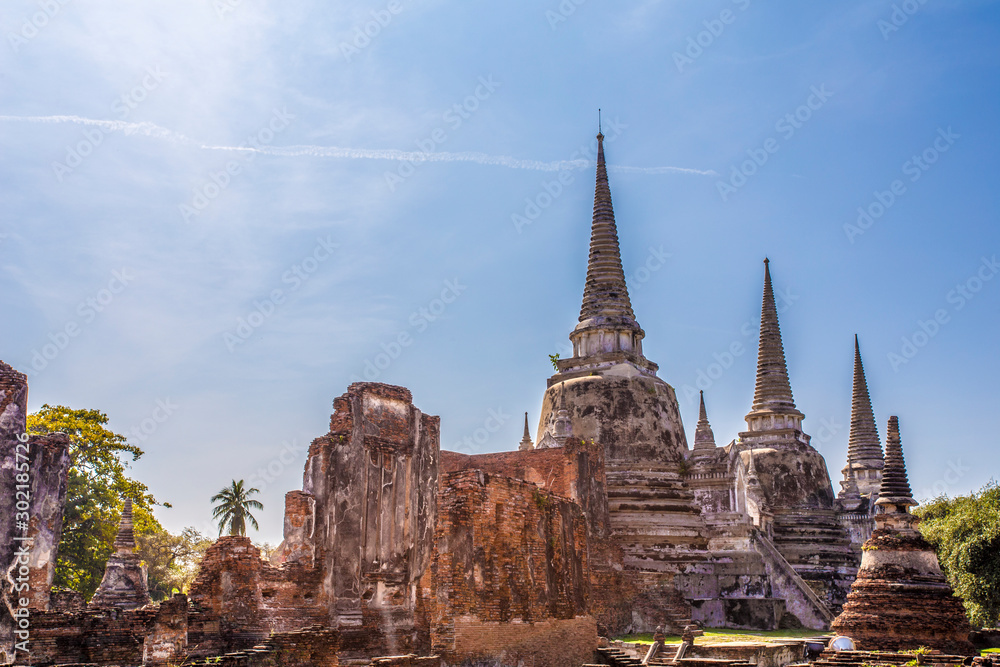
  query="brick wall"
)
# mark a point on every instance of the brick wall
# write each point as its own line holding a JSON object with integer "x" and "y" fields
{"x": 505, "y": 552}
{"x": 575, "y": 471}
{"x": 553, "y": 642}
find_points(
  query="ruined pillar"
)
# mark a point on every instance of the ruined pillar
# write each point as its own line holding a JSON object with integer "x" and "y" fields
{"x": 33, "y": 480}
{"x": 373, "y": 480}
{"x": 298, "y": 531}
{"x": 227, "y": 593}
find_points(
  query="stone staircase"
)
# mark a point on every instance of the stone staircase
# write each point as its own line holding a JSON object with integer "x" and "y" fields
{"x": 800, "y": 598}
{"x": 665, "y": 606}
{"x": 815, "y": 543}
{"x": 617, "y": 657}
{"x": 654, "y": 518}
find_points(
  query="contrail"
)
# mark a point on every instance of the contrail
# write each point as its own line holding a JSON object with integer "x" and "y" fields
{"x": 157, "y": 132}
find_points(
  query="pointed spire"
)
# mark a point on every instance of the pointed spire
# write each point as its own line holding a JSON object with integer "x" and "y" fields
{"x": 772, "y": 393}
{"x": 605, "y": 293}
{"x": 895, "y": 489}
{"x": 704, "y": 438}
{"x": 526, "y": 443}
{"x": 863, "y": 443}
{"x": 125, "y": 540}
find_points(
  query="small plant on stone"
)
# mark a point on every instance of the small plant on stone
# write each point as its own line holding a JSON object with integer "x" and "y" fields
{"x": 554, "y": 359}
{"x": 541, "y": 500}
{"x": 683, "y": 467}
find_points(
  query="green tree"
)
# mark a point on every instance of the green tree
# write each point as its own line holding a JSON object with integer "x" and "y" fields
{"x": 171, "y": 560}
{"x": 233, "y": 509}
{"x": 965, "y": 532}
{"x": 97, "y": 487}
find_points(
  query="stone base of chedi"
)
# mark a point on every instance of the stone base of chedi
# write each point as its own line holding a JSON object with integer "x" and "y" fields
{"x": 900, "y": 599}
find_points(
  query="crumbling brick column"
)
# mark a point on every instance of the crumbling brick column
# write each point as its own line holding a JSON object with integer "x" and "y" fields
{"x": 33, "y": 480}
{"x": 373, "y": 479}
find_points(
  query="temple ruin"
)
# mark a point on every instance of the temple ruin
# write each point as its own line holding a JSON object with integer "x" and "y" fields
{"x": 606, "y": 522}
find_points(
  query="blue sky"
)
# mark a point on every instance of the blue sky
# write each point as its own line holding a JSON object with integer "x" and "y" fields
{"x": 170, "y": 168}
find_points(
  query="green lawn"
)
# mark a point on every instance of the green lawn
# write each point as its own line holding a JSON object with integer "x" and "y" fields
{"x": 724, "y": 635}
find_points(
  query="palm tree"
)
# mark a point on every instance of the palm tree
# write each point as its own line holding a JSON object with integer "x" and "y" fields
{"x": 233, "y": 509}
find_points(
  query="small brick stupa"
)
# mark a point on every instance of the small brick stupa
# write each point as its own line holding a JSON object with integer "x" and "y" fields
{"x": 124, "y": 583}
{"x": 900, "y": 599}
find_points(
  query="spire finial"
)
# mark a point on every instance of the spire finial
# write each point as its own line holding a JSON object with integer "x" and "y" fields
{"x": 605, "y": 293}
{"x": 125, "y": 540}
{"x": 773, "y": 393}
{"x": 599, "y": 132}
{"x": 526, "y": 439}
{"x": 863, "y": 443}
{"x": 895, "y": 490}
{"x": 704, "y": 438}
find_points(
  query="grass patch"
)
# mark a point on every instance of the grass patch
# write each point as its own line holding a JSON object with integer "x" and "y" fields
{"x": 726, "y": 635}
{"x": 991, "y": 650}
